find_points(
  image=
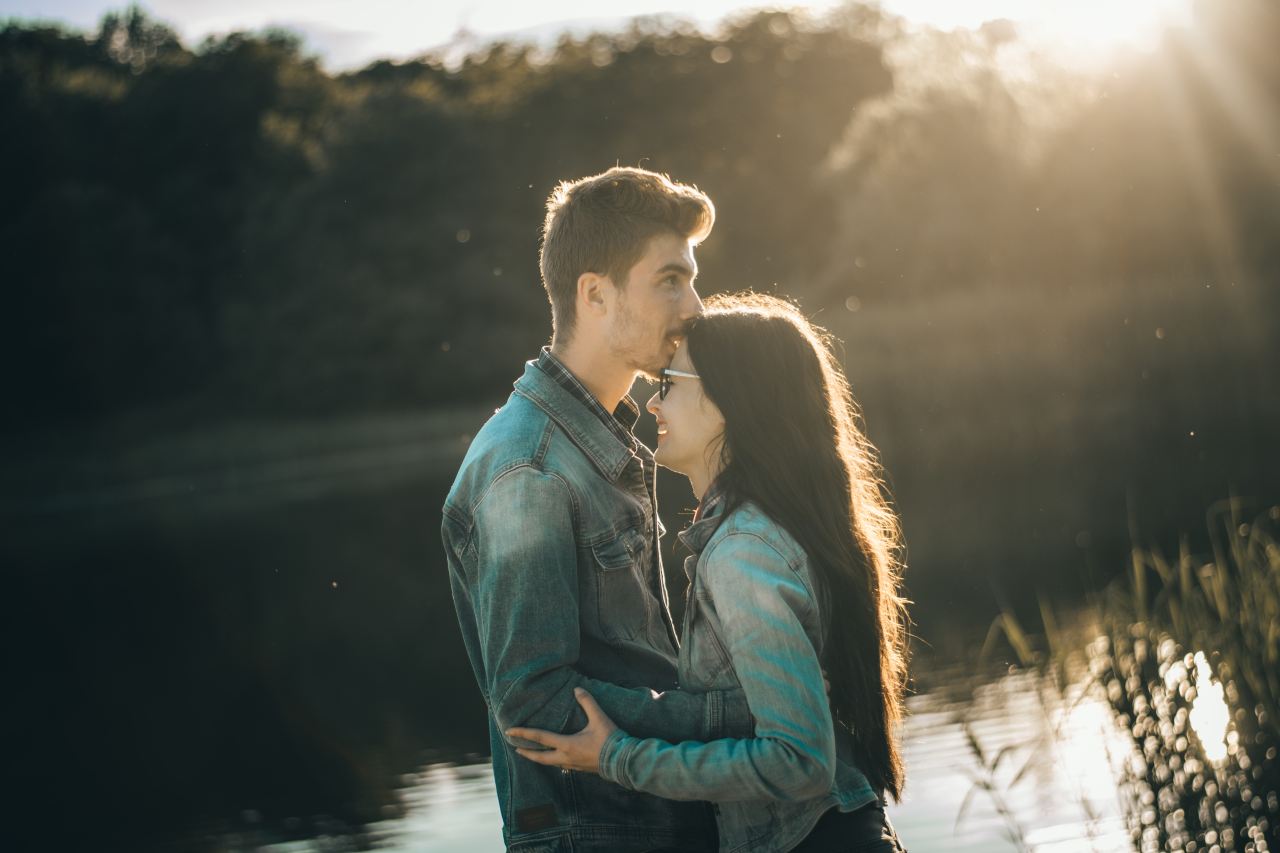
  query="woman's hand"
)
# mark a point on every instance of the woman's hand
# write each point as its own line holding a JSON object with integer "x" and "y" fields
{"x": 579, "y": 751}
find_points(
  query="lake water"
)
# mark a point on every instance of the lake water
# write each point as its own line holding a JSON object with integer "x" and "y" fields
{"x": 1066, "y": 801}
{"x": 259, "y": 652}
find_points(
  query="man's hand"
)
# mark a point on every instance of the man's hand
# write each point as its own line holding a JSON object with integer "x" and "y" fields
{"x": 579, "y": 751}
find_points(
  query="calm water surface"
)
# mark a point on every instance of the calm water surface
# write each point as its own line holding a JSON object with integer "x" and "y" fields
{"x": 274, "y": 630}
{"x": 1066, "y": 800}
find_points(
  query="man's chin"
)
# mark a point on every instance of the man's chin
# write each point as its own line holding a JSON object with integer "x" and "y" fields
{"x": 650, "y": 368}
{"x": 661, "y": 361}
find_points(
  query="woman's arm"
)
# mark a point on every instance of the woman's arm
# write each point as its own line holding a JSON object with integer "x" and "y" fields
{"x": 763, "y": 605}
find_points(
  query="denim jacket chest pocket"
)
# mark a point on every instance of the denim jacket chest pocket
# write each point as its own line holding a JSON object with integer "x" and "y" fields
{"x": 704, "y": 662}
{"x": 616, "y": 588}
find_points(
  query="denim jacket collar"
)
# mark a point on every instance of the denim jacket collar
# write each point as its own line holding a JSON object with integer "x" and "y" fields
{"x": 711, "y": 510}
{"x": 586, "y": 430}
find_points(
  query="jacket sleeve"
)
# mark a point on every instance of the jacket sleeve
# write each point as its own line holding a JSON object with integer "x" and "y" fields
{"x": 525, "y": 599}
{"x": 762, "y": 605}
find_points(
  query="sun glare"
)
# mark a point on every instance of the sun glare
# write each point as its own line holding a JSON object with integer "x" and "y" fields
{"x": 1081, "y": 28}
{"x": 1105, "y": 25}
{"x": 1209, "y": 712}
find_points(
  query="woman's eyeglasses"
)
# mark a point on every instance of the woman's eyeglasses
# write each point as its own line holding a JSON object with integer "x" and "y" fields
{"x": 664, "y": 380}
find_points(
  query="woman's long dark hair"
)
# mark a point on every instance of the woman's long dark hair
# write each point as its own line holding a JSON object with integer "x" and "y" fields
{"x": 792, "y": 445}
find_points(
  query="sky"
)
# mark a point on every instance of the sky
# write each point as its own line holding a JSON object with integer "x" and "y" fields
{"x": 348, "y": 34}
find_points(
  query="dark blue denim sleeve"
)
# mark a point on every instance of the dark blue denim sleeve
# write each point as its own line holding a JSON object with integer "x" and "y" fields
{"x": 525, "y": 596}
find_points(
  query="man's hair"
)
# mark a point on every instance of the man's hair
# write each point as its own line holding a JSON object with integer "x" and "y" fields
{"x": 603, "y": 224}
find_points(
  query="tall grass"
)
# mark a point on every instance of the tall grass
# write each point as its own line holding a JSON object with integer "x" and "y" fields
{"x": 1228, "y": 605}
{"x": 1184, "y": 643}
{"x": 1055, "y": 662}
{"x": 1187, "y": 640}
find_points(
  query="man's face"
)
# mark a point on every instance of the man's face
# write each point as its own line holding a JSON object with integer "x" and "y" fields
{"x": 654, "y": 305}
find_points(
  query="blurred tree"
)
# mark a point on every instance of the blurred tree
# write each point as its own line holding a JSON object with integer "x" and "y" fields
{"x": 421, "y": 227}
{"x": 233, "y": 225}
{"x": 140, "y": 160}
{"x": 133, "y": 39}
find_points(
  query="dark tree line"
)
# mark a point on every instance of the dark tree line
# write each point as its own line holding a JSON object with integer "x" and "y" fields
{"x": 230, "y": 222}
{"x": 1051, "y": 285}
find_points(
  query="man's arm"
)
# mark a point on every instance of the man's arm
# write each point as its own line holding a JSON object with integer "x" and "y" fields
{"x": 525, "y": 593}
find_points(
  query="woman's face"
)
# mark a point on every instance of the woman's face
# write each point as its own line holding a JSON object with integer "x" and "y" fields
{"x": 689, "y": 425}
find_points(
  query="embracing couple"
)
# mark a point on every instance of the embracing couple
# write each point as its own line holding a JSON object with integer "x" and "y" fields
{"x": 768, "y": 722}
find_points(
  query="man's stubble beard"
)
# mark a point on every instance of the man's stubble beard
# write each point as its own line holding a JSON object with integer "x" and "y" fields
{"x": 631, "y": 352}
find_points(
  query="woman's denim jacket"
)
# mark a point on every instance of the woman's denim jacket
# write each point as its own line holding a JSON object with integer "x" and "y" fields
{"x": 555, "y": 588}
{"x": 751, "y": 619}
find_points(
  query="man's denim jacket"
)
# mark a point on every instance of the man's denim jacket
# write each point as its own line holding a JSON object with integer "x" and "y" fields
{"x": 752, "y": 620}
{"x": 544, "y": 532}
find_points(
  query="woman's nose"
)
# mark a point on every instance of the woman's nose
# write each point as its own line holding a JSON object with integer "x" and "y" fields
{"x": 654, "y": 404}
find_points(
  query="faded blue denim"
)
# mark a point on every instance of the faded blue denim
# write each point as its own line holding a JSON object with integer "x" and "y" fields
{"x": 555, "y": 588}
{"x": 752, "y": 620}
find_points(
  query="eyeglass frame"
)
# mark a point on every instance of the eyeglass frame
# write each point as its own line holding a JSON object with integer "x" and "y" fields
{"x": 664, "y": 380}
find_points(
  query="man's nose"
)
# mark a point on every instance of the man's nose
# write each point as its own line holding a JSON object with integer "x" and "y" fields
{"x": 692, "y": 305}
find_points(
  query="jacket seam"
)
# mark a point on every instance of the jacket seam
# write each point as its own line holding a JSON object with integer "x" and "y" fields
{"x": 786, "y": 561}
{"x": 715, "y": 715}
{"x": 574, "y": 432}
{"x": 540, "y": 455}
{"x": 460, "y": 520}
{"x": 454, "y": 514}
{"x": 573, "y": 510}
{"x": 532, "y": 462}
{"x": 625, "y": 752}
{"x": 699, "y": 597}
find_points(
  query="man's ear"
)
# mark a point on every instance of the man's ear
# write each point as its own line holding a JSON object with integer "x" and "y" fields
{"x": 595, "y": 291}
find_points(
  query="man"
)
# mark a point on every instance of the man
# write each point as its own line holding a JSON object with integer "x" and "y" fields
{"x": 551, "y": 528}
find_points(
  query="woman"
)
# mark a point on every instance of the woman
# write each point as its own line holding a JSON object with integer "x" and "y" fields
{"x": 794, "y": 574}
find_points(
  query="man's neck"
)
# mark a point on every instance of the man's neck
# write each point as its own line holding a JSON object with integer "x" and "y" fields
{"x": 608, "y": 381}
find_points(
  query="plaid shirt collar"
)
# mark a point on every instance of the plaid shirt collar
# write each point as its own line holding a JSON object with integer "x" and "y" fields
{"x": 623, "y": 419}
